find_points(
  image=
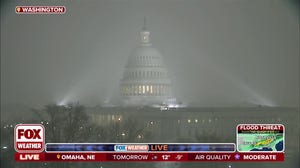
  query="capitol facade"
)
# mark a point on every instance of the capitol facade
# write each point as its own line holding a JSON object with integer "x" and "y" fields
{"x": 145, "y": 79}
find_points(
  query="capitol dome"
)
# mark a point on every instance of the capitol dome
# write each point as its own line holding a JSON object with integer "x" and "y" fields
{"x": 146, "y": 56}
{"x": 145, "y": 79}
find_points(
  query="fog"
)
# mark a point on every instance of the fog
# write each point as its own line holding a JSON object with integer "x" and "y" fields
{"x": 218, "y": 53}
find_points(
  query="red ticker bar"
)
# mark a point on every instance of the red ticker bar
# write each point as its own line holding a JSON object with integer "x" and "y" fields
{"x": 149, "y": 157}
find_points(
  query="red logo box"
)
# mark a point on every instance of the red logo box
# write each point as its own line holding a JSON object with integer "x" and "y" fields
{"x": 29, "y": 138}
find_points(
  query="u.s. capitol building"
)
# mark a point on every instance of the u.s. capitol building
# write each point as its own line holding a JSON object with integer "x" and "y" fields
{"x": 145, "y": 80}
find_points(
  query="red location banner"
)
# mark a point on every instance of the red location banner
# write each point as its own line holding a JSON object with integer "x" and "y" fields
{"x": 40, "y": 9}
{"x": 150, "y": 157}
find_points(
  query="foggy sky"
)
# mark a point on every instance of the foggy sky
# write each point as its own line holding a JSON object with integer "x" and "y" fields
{"x": 218, "y": 52}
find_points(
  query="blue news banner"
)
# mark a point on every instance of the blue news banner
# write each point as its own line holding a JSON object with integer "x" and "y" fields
{"x": 92, "y": 147}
